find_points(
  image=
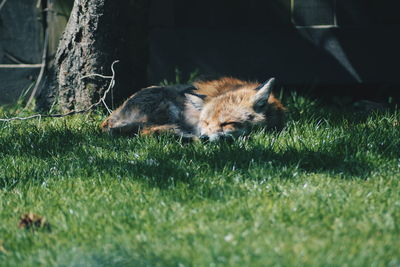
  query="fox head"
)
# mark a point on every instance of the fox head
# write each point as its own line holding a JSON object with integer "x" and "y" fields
{"x": 235, "y": 112}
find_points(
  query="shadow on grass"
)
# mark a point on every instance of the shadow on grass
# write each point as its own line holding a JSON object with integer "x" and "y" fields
{"x": 42, "y": 144}
{"x": 168, "y": 170}
{"x": 180, "y": 164}
{"x": 164, "y": 169}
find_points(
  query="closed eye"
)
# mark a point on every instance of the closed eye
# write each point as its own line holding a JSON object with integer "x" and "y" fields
{"x": 232, "y": 123}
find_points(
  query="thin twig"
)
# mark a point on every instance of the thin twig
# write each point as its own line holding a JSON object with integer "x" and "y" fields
{"x": 42, "y": 69}
{"x": 110, "y": 86}
{"x": 97, "y": 75}
{"x": 2, "y": 4}
{"x": 20, "y": 66}
{"x": 73, "y": 112}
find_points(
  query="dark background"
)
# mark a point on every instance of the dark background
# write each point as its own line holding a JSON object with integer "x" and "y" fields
{"x": 324, "y": 48}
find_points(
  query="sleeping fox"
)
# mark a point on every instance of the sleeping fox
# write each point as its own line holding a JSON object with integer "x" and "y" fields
{"x": 210, "y": 110}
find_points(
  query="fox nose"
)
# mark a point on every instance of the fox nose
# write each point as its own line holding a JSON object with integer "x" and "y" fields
{"x": 204, "y": 138}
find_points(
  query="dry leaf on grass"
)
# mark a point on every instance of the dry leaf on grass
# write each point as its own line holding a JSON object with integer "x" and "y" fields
{"x": 31, "y": 221}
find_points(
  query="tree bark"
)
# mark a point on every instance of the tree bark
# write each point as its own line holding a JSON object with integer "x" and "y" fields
{"x": 97, "y": 33}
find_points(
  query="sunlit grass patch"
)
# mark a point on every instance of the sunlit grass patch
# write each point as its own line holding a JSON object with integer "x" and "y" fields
{"x": 324, "y": 191}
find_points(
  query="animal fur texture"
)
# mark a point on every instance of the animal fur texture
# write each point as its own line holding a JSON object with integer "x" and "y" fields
{"x": 211, "y": 110}
{"x": 154, "y": 110}
{"x": 233, "y": 107}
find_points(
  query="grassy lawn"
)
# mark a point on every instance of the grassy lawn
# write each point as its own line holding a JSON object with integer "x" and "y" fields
{"x": 325, "y": 191}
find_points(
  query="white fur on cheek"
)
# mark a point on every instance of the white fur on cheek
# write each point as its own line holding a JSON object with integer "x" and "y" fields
{"x": 214, "y": 137}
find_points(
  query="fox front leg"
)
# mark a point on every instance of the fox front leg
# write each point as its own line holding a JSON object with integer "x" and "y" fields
{"x": 168, "y": 128}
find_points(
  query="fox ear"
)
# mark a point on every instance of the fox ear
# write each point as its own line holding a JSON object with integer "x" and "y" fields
{"x": 196, "y": 100}
{"x": 263, "y": 93}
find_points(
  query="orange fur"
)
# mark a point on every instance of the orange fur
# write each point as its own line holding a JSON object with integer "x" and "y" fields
{"x": 230, "y": 108}
{"x": 157, "y": 129}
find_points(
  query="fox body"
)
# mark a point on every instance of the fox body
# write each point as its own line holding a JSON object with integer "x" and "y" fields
{"x": 211, "y": 110}
{"x": 153, "y": 110}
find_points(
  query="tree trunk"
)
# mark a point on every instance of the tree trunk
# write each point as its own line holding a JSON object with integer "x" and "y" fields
{"x": 99, "y": 32}
{"x": 57, "y": 15}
